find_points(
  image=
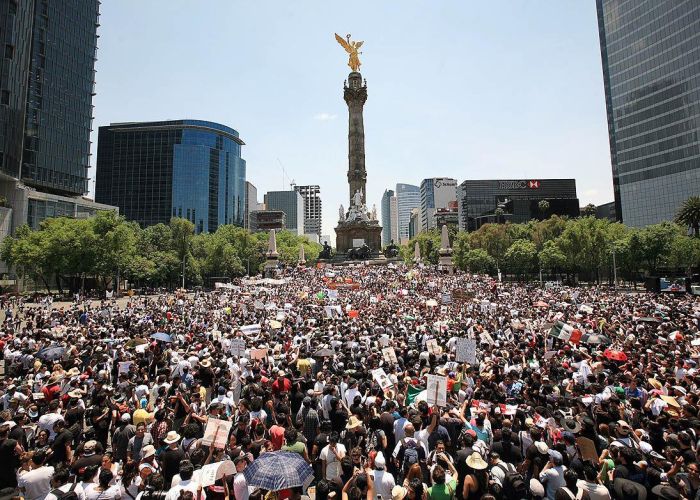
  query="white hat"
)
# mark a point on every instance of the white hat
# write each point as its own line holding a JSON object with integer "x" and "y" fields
{"x": 380, "y": 461}
{"x": 172, "y": 437}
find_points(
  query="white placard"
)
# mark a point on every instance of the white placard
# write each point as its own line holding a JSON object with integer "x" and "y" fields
{"x": 381, "y": 377}
{"x": 446, "y": 298}
{"x": 216, "y": 433}
{"x": 436, "y": 391}
{"x": 124, "y": 367}
{"x": 238, "y": 348}
{"x": 250, "y": 329}
{"x": 433, "y": 347}
{"x": 211, "y": 472}
{"x": 389, "y": 355}
{"x": 466, "y": 351}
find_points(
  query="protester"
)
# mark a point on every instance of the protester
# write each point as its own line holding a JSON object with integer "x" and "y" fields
{"x": 571, "y": 392}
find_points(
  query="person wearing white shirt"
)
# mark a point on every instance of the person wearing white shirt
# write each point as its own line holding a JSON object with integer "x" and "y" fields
{"x": 61, "y": 483}
{"x": 330, "y": 456}
{"x": 187, "y": 483}
{"x": 241, "y": 491}
{"x": 383, "y": 481}
{"x": 36, "y": 483}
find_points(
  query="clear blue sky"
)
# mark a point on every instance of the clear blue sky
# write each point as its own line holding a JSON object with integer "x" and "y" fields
{"x": 463, "y": 89}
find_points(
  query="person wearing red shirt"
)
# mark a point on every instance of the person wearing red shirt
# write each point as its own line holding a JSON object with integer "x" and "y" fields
{"x": 281, "y": 384}
{"x": 52, "y": 390}
{"x": 277, "y": 432}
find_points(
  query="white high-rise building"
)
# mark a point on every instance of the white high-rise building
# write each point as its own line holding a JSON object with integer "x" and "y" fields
{"x": 435, "y": 193}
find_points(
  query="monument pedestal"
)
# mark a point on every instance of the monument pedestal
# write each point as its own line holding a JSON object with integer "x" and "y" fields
{"x": 350, "y": 235}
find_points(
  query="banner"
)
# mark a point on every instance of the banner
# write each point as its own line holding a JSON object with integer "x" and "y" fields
{"x": 380, "y": 376}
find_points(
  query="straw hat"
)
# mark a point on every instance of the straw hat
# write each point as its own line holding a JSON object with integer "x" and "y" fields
{"x": 148, "y": 451}
{"x": 55, "y": 377}
{"x": 654, "y": 383}
{"x": 476, "y": 462}
{"x": 205, "y": 363}
{"x": 75, "y": 394}
{"x": 353, "y": 423}
{"x": 398, "y": 492}
{"x": 172, "y": 437}
{"x": 73, "y": 372}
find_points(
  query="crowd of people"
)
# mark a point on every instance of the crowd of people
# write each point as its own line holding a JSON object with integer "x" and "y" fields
{"x": 574, "y": 393}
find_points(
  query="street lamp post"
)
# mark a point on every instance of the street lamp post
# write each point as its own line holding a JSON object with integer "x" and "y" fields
{"x": 614, "y": 268}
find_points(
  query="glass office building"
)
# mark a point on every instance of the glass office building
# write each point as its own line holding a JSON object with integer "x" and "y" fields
{"x": 154, "y": 171}
{"x": 407, "y": 198}
{"x": 651, "y": 69}
{"x": 47, "y": 81}
{"x": 518, "y": 199}
{"x": 292, "y": 204}
{"x": 386, "y": 216}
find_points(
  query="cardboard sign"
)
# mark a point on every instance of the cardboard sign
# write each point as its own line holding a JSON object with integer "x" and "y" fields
{"x": 466, "y": 351}
{"x": 446, "y": 298}
{"x": 258, "y": 353}
{"x": 486, "y": 337}
{"x": 216, "y": 433}
{"x": 436, "y": 391}
{"x": 587, "y": 449}
{"x": 124, "y": 367}
{"x": 211, "y": 472}
{"x": 238, "y": 348}
{"x": 389, "y": 355}
{"x": 433, "y": 347}
{"x": 250, "y": 329}
{"x": 380, "y": 376}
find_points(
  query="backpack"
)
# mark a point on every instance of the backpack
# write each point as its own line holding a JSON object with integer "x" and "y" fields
{"x": 411, "y": 454}
{"x": 514, "y": 485}
{"x": 66, "y": 495}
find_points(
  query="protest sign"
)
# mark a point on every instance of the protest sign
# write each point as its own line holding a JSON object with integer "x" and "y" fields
{"x": 258, "y": 353}
{"x": 210, "y": 473}
{"x": 124, "y": 367}
{"x": 216, "y": 433}
{"x": 389, "y": 355}
{"x": 466, "y": 351}
{"x": 238, "y": 348}
{"x": 250, "y": 329}
{"x": 587, "y": 449}
{"x": 380, "y": 376}
{"x": 436, "y": 392}
{"x": 433, "y": 347}
{"x": 446, "y": 298}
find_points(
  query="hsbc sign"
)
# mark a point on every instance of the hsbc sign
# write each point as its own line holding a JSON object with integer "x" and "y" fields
{"x": 532, "y": 184}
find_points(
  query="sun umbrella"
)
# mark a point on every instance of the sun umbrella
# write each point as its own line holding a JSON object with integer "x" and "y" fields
{"x": 275, "y": 325}
{"x": 324, "y": 353}
{"x": 649, "y": 320}
{"x": 135, "y": 342}
{"x": 51, "y": 353}
{"x": 279, "y": 470}
{"x": 615, "y": 355}
{"x": 595, "y": 338}
{"x": 162, "y": 336}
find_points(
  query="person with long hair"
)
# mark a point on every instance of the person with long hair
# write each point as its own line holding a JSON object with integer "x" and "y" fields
{"x": 476, "y": 482}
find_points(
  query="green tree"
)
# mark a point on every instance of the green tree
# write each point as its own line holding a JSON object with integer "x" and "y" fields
{"x": 689, "y": 214}
{"x": 478, "y": 261}
{"x": 493, "y": 238}
{"x": 521, "y": 257}
{"x": 429, "y": 244}
{"x": 546, "y": 230}
{"x": 543, "y": 207}
{"x": 585, "y": 243}
{"x": 461, "y": 247}
{"x": 551, "y": 258}
{"x": 588, "y": 211}
{"x": 656, "y": 241}
{"x": 685, "y": 253}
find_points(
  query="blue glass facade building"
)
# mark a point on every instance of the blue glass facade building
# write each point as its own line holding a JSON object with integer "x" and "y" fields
{"x": 407, "y": 198}
{"x": 651, "y": 70}
{"x": 154, "y": 171}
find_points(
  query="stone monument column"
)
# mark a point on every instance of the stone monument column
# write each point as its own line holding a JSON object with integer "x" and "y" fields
{"x": 355, "y": 94}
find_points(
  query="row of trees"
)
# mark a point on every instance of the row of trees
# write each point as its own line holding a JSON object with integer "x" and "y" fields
{"x": 584, "y": 247}
{"x": 63, "y": 252}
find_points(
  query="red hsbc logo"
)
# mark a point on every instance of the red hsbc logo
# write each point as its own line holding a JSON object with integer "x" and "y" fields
{"x": 533, "y": 184}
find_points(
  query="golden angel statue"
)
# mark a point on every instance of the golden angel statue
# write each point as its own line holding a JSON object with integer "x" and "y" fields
{"x": 352, "y": 49}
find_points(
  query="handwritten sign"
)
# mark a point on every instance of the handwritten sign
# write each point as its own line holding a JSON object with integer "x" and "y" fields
{"x": 466, "y": 351}
{"x": 124, "y": 367}
{"x": 238, "y": 348}
{"x": 258, "y": 353}
{"x": 436, "y": 392}
{"x": 216, "y": 433}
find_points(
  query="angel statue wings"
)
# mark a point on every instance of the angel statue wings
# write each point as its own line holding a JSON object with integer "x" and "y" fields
{"x": 352, "y": 49}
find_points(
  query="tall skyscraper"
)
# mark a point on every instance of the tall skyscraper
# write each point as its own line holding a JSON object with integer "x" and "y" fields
{"x": 407, "y": 198}
{"x": 435, "y": 193}
{"x": 292, "y": 204}
{"x": 47, "y": 81}
{"x": 394, "y": 217}
{"x": 386, "y": 216}
{"x": 312, "y": 208}
{"x": 251, "y": 203}
{"x": 154, "y": 171}
{"x": 651, "y": 73}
